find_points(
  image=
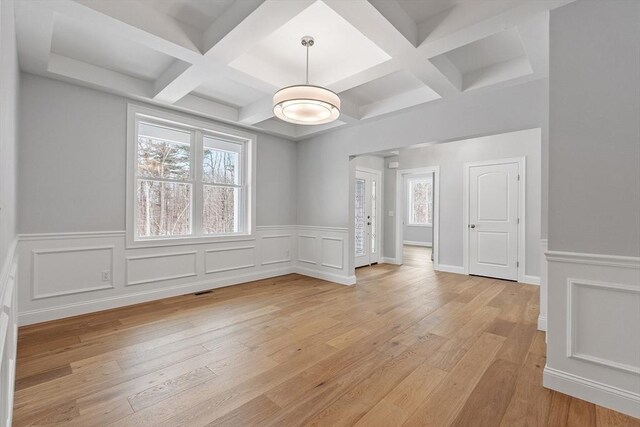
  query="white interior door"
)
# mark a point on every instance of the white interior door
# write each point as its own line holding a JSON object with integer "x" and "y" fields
{"x": 367, "y": 218}
{"x": 493, "y": 220}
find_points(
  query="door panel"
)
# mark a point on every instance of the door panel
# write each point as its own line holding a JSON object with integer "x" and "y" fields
{"x": 493, "y": 220}
{"x": 367, "y": 189}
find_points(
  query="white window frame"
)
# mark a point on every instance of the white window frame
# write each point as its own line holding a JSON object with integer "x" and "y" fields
{"x": 409, "y": 208}
{"x": 200, "y": 128}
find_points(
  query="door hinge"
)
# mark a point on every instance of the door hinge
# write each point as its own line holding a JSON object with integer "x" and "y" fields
{"x": 518, "y": 177}
{"x": 517, "y": 263}
{"x": 518, "y": 220}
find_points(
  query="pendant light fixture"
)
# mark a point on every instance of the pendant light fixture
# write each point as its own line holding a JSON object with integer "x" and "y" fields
{"x": 306, "y": 104}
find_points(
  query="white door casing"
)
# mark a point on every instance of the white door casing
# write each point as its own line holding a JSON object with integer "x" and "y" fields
{"x": 367, "y": 217}
{"x": 492, "y": 218}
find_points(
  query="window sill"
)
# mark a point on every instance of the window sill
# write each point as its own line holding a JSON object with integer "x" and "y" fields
{"x": 180, "y": 241}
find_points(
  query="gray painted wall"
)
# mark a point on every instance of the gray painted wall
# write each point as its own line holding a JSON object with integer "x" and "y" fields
{"x": 323, "y": 161}
{"x": 594, "y": 168}
{"x": 9, "y": 84}
{"x": 72, "y": 162}
{"x": 451, "y": 158}
{"x": 417, "y": 234}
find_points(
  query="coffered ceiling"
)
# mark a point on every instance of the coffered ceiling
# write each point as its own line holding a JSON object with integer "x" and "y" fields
{"x": 224, "y": 59}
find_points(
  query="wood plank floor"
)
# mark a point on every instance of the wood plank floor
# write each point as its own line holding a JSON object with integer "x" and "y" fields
{"x": 405, "y": 346}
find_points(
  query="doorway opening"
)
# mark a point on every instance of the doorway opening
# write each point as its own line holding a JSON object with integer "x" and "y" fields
{"x": 418, "y": 212}
{"x": 368, "y": 207}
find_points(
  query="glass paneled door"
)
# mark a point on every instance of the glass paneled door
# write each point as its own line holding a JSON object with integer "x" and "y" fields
{"x": 367, "y": 218}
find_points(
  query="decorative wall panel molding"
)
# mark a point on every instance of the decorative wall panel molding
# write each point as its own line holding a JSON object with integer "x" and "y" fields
{"x": 307, "y": 249}
{"x": 593, "y": 345}
{"x": 542, "y": 317}
{"x": 333, "y": 252}
{"x": 229, "y": 259}
{"x": 591, "y": 304}
{"x": 142, "y": 274}
{"x": 8, "y": 332}
{"x": 63, "y": 271}
{"x": 160, "y": 267}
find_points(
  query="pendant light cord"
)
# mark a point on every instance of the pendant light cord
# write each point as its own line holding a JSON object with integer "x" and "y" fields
{"x": 307, "y": 63}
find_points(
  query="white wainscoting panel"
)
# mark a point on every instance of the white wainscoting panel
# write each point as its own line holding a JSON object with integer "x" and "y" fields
{"x": 324, "y": 254}
{"x": 228, "y": 259}
{"x": 542, "y": 317}
{"x": 593, "y": 343}
{"x": 333, "y": 252}
{"x": 63, "y": 273}
{"x": 307, "y": 249}
{"x": 160, "y": 267}
{"x": 8, "y": 333}
{"x": 276, "y": 248}
{"x": 52, "y": 277}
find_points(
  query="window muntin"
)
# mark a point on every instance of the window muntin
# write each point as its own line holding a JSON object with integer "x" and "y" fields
{"x": 420, "y": 209}
{"x": 189, "y": 182}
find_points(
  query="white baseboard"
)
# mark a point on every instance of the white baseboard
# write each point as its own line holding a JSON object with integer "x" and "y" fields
{"x": 531, "y": 280}
{"x": 99, "y": 304}
{"x": 387, "y": 260}
{"x": 542, "y": 323}
{"x": 450, "y": 268}
{"x": 415, "y": 243}
{"x": 593, "y": 391}
{"x": 323, "y": 275}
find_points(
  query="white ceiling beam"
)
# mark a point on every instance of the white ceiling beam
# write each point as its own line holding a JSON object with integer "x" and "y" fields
{"x": 136, "y": 21}
{"x": 257, "y": 112}
{"x": 398, "y": 102}
{"x": 208, "y": 108}
{"x": 98, "y": 77}
{"x": 365, "y": 76}
{"x": 237, "y": 30}
{"x": 472, "y": 21}
{"x": 377, "y": 28}
{"x": 399, "y": 18}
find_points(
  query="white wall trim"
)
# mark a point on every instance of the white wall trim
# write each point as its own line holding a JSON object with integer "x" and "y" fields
{"x": 70, "y": 235}
{"x": 591, "y": 352}
{"x": 457, "y": 269}
{"x": 99, "y": 304}
{"x": 594, "y": 259}
{"x": 319, "y": 228}
{"x": 592, "y": 391}
{"x": 276, "y": 251}
{"x": 531, "y": 280}
{"x": 572, "y": 284}
{"x": 161, "y": 278}
{"x": 416, "y": 243}
{"x": 323, "y": 275}
{"x": 8, "y": 330}
{"x": 388, "y": 260}
{"x": 522, "y": 192}
{"x": 542, "y": 318}
{"x": 35, "y": 295}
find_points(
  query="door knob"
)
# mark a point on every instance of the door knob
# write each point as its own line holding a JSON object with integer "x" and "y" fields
{"x": 472, "y": 226}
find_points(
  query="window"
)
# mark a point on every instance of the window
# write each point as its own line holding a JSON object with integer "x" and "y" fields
{"x": 188, "y": 180}
{"x": 420, "y": 201}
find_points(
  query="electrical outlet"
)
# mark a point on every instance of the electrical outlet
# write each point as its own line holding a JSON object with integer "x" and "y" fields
{"x": 106, "y": 276}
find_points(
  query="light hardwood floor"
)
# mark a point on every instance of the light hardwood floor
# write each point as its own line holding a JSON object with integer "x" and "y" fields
{"x": 405, "y": 346}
